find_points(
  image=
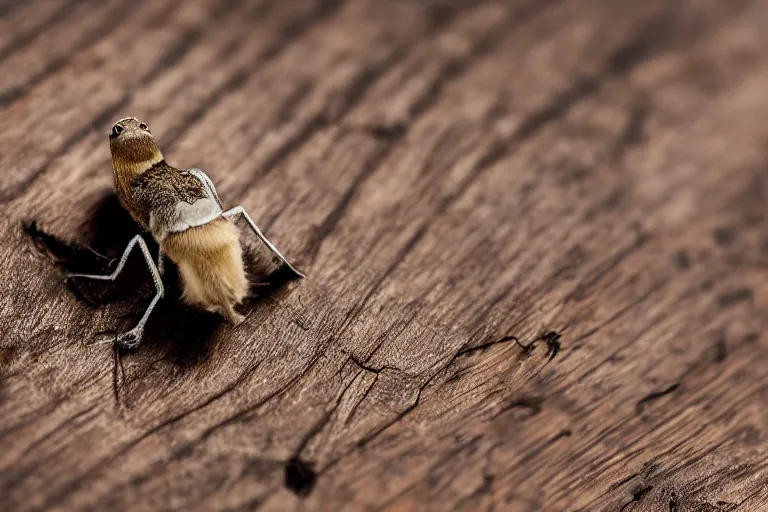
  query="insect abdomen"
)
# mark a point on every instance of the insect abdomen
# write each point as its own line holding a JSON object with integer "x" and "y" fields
{"x": 210, "y": 262}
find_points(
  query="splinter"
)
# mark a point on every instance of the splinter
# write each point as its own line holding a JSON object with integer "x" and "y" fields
{"x": 183, "y": 213}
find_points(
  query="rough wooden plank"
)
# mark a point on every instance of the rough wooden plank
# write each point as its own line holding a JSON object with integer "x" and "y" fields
{"x": 450, "y": 174}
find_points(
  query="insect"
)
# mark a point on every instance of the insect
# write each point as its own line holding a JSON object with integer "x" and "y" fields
{"x": 183, "y": 213}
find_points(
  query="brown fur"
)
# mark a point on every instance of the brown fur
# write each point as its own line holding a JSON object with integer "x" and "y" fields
{"x": 210, "y": 261}
{"x": 160, "y": 188}
{"x": 134, "y": 152}
{"x": 209, "y": 257}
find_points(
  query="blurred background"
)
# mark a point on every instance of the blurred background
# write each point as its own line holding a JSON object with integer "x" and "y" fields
{"x": 585, "y": 176}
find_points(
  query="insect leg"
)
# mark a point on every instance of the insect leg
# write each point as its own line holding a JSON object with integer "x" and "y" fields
{"x": 118, "y": 269}
{"x": 132, "y": 338}
{"x": 239, "y": 210}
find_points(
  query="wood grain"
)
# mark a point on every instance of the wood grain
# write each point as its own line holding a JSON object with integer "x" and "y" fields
{"x": 586, "y": 176}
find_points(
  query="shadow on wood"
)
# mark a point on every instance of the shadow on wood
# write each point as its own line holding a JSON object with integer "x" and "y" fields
{"x": 181, "y": 332}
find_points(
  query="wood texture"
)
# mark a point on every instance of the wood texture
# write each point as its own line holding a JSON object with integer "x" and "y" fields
{"x": 582, "y": 174}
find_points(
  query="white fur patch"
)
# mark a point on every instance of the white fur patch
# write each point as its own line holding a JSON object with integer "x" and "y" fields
{"x": 198, "y": 213}
{"x": 184, "y": 216}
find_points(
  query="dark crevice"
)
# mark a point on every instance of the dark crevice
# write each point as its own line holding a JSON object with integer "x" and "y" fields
{"x": 370, "y": 437}
{"x": 682, "y": 259}
{"x": 733, "y": 297}
{"x": 387, "y": 133}
{"x": 673, "y": 502}
{"x": 371, "y": 369}
{"x": 531, "y": 405}
{"x": 623, "y": 481}
{"x": 651, "y": 397}
{"x": 634, "y": 131}
{"x": 391, "y": 332}
{"x": 720, "y": 349}
{"x": 638, "y": 495}
{"x": 723, "y": 236}
{"x": 533, "y": 454}
{"x": 485, "y": 346}
{"x": 551, "y": 338}
{"x": 70, "y": 256}
{"x": 300, "y": 477}
{"x": 458, "y": 376}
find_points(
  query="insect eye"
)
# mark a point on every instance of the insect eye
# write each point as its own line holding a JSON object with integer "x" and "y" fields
{"x": 143, "y": 126}
{"x": 116, "y": 130}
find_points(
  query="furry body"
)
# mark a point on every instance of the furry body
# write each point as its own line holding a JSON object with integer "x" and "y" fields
{"x": 184, "y": 217}
{"x": 210, "y": 262}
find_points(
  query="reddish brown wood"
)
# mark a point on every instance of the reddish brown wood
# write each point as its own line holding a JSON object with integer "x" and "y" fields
{"x": 449, "y": 174}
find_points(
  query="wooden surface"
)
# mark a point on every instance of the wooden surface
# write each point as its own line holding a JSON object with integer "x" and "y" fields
{"x": 449, "y": 174}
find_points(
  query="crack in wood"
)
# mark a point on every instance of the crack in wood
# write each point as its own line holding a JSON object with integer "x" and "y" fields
{"x": 532, "y": 405}
{"x": 637, "y": 496}
{"x": 300, "y": 477}
{"x": 651, "y": 397}
{"x": 634, "y": 131}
